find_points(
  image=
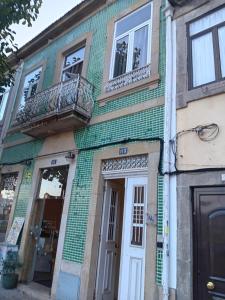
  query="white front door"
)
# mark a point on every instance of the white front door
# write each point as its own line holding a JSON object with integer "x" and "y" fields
{"x": 132, "y": 266}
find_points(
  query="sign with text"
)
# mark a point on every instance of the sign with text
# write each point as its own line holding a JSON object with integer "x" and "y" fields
{"x": 15, "y": 230}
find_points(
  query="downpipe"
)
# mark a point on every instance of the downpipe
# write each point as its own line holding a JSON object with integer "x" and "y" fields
{"x": 168, "y": 11}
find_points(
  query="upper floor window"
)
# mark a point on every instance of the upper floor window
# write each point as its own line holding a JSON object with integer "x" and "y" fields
{"x": 207, "y": 47}
{"x": 73, "y": 64}
{"x": 30, "y": 85}
{"x": 131, "y": 47}
{"x": 3, "y": 101}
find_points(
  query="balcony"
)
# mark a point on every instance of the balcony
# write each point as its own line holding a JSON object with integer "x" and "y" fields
{"x": 62, "y": 107}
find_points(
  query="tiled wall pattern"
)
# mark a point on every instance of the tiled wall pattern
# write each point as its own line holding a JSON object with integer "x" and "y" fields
{"x": 146, "y": 124}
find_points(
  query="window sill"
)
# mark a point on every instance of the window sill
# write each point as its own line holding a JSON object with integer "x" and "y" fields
{"x": 198, "y": 93}
{"x": 128, "y": 83}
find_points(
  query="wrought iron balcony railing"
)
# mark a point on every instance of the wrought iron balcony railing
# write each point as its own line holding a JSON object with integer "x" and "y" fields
{"x": 73, "y": 95}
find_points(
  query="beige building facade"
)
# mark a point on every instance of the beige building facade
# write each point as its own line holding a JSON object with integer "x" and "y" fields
{"x": 198, "y": 148}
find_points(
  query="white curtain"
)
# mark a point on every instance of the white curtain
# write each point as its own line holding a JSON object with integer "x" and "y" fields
{"x": 221, "y": 33}
{"x": 203, "y": 60}
{"x": 140, "y": 48}
{"x": 208, "y": 21}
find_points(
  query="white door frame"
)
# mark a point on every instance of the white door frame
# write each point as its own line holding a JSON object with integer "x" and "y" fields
{"x": 124, "y": 174}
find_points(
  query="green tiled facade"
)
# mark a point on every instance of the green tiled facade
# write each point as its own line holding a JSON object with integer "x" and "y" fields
{"x": 145, "y": 124}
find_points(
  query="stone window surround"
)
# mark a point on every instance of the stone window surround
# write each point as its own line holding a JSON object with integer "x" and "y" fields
{"x": 151, "y": 82}
{"x": 85, "y": 40}
{"x": 184, "y": 95}
{"x": 7, "y": 170}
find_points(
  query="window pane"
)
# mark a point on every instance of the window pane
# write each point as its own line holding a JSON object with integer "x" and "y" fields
{"x": 74, "y": 57}
{"x": 3, "y": 101}
{"x": 138, "y": 216}
{"x": 140, "y": 16}
{"x": 121, "y": 57}
{"x": 221, "y": 32}
{"x": 53, "y": 182}
{"x": 140, "y": 48}
{"x": 208, "y": 21}
{"x": 203, "y": 60}
{"x": 30, "y": 85}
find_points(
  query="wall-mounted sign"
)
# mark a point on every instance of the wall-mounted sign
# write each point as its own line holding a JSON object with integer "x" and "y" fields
{"x": 123, "y": 151}
{"x": 15, "y": 230}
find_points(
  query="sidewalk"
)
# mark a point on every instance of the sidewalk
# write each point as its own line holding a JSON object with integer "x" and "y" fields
{"x": 32, "y": 291}
{"x": 14, "y": 294}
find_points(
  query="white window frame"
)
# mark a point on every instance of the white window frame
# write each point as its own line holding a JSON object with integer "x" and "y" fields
{"x": 130, "y": 35}
{"x": 3, "y": 104}
{"x": 78, "y": 62}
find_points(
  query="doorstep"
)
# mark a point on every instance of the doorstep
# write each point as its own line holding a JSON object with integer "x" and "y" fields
{"x": 35, "y": 291}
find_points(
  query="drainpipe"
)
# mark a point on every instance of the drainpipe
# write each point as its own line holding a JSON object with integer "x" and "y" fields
{"x": 10, "y": 104}
{"x": 167, "y": 149}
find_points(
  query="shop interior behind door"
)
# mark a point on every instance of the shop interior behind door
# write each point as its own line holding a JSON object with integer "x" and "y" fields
{"x": 51, "y": 199}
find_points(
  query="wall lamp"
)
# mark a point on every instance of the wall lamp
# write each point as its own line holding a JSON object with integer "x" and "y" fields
{"x": 70, "y": 155}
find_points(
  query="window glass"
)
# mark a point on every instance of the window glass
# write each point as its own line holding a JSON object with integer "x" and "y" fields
{"x": 131, "y": 47}
{"x": 73, "y": 64}
{"x": 203, "y": 61}
{"x": 3, "y": 101}
{"x": 140, "y": 16}
{"x": 221, "y": 33}
{"x": 53, "y": 182}
{"x": 121, "y": 56}
{"x": 208, "y": 21}
{"x": 30, "y": 85}
{"x": 140, "y": 48}
{"x": 74, "y": 57}
{"x": 8, "y": 187}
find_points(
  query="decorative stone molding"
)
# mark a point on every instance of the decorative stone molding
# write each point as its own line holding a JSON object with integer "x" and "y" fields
{"x": 128, "y": 78}
{"x": 125, "y": 163}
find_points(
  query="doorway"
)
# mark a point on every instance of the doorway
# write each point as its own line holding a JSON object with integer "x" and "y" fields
{"x": 46, "y": 222}
{"x": 121, "y": 265}
{"x": 209, "y": 243}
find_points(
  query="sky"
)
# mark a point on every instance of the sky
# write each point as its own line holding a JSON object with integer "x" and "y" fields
{"x": 50, "y": 11}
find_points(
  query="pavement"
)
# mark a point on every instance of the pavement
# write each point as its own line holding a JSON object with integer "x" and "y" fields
{"x": 14, "y": 294}
{"x": 32, "y": 291}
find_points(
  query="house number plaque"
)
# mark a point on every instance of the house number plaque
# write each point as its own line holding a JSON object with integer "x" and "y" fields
{"x": 123, "y": 151}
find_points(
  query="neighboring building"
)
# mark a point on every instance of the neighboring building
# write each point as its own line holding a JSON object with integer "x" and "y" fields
{"x": 83, "y": 152}
{"x": 200, "y": 139}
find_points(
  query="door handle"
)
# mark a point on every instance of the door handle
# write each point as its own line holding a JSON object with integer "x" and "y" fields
{"x": 210, "y": 285}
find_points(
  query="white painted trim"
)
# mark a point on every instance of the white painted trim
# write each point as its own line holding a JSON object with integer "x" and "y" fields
{"x": 173, "y": 179}
{"x": 125, "y": 173}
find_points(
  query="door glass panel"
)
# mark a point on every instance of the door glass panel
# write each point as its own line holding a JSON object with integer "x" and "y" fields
{"x": 138, "y": 216}
{"x": 112, "y": 216}
{"x": 140, "y": 47}
{"x": 8, "y": 187}
{"x": 217, "y": 243}
{"x": 53, "y": 182}
{"x": 121, "y": 57}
